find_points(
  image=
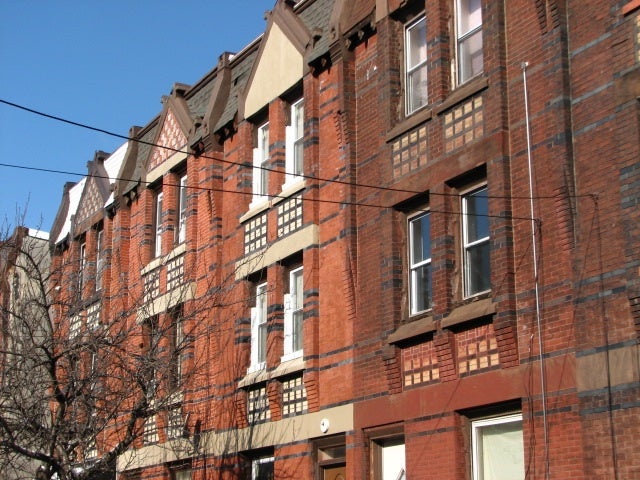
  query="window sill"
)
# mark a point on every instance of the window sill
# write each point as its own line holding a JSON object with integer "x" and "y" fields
{"x": 413, "y": 329}
{"x": 161, "y": 260}
{"x": 288, "y": 190}
{"x": 260, "y": 376}
{"x": 421, "y": 116}
{"x": 471, "y": 311}
{"x": 463, "y": 92}
{"x": 256, "y": 207}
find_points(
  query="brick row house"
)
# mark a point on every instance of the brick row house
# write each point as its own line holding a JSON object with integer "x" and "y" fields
{"x": 400, "y": 239}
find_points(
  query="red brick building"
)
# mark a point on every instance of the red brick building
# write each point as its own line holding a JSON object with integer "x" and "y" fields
{"x": 418, "y": 223}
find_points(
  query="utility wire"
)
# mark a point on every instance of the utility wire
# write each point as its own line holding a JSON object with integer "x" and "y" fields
{"x": 221, "y": 160}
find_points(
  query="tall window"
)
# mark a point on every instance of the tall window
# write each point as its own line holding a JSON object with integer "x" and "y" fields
{"x": 157, "y": 221}
{"x": 293, "y": 315}
{"x": 295, "y": 142}
{"x": 260, "y": 164}
{"x": 151, "y": 339}
{"x": 182, "y": 209}
{"x": 176, "y": 340}
{"x": 82, "y": 267}
{"x": 468, "y": 39}
{"x": 99, "y": 258}
{"x": 497, "y": 448}
{"x": 420, "y": 262}
{"x": 416, "y": 64}
{"x": 259, "y": 329}
{"x": 475, "y": 226}
{"x": 262, "y": 469}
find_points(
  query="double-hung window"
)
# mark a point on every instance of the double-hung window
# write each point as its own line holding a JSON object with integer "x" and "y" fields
{"x": 182, "y": 209}
{"x": 99, "y": 258}
{"x": 259, "y": 330}
{"x": 82, "y": 267}
{"x": 469, "y": 55}
{"x": 157, "y": 222}
{"x": 420, "y": 262}
{"x": 475, "y": 233}
{"x": 497, "y": 448}
{"x": 260, "y": 182}
{"x": 293, "y": 316}
{"x": 295, "y": 142}
{"x": 416, "y": 64}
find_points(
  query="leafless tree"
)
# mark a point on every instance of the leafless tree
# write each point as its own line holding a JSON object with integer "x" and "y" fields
{"x": 78, "y": 389}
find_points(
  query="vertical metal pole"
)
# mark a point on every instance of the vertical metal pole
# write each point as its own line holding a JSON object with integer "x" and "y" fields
{"x": 534, "y": 230}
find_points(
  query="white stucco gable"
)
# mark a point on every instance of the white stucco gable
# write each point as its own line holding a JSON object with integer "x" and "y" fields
{"x": 279, "y": 67}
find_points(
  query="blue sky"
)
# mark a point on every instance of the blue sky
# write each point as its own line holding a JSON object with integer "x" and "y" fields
{"x": 101, "y": 63}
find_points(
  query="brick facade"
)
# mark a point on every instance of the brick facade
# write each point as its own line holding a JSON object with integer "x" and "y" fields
{"x": 372, "y": 374}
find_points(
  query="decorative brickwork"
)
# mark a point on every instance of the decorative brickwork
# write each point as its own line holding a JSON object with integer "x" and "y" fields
{"x": 174, "y": 422}
{"x": 419, "y": 364}
{"x": 93, "y": 316}
{"x": 477, "y": 349}
{"x": 258, "y": 405}
{"x": 294, "y": 396}
{"x": 150, "y": 434}
{"x": 409, "y": 152}
{"x": 175, "y": 272}
{"x": 255, "y": 233}
{"x": 464, "y": 124}
{"x": 289, "y": 215}
{"x": 152, "y": 285}
{"x": 171, "y": 137}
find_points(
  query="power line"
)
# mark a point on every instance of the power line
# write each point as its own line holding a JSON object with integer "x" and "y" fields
{"x": 229, "y": 162}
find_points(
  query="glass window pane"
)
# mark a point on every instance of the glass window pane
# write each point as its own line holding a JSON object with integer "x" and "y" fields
{"x": 469, "y": 16}
{"x": 470, "y": 57}
{"x": 417, "y": 43}
{"x": 421, "y": 288}
{"x": 478, "y": 269}
{"x": 476, "y": 211}
{"x": 393, "y": 462}
{"x": 417, "y": 86}
{"x": 499, "y": 451}
{"x": 420, "y": 239}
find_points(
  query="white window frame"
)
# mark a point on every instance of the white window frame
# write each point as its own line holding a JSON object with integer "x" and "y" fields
{"x": 182, "y": 209}
{"x": 416, "y": 266}
{"x": 157, "y": 246}
{"x": 477, "y": 453}
{"x": 469, "y": 244}
{"x": 260, "y": 175}
{"x": 99, "y": 258}
{"x": 294, "y": 141}
{"x": 467, "y": 26}
{"x": 416, "y": 69}
{"x": 82, "y": 267}
{"x": 294, "y": 316}
{"x": 255, "y": 465}
{"x": 259, "y": 330}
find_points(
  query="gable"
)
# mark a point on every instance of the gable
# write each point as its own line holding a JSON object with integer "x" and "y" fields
{"x": 170, "y": 136}
{"x": 279, "y": 67}
{"x": 90, "y": 203}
